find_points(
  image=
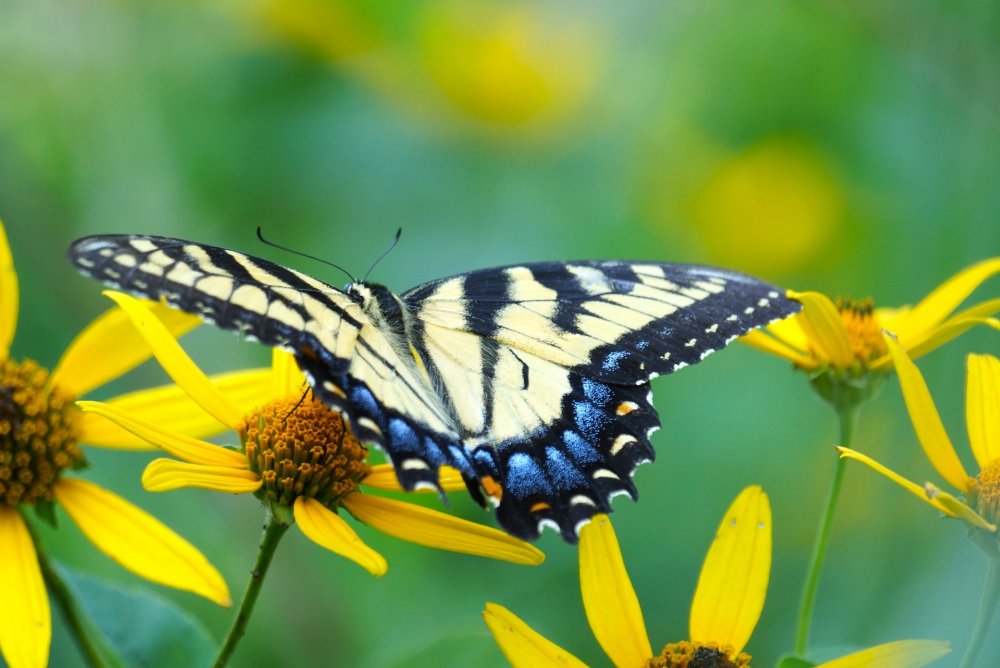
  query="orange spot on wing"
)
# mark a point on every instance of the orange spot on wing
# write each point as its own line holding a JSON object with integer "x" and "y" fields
{"x": 626, "y": 407}
{"x": 491, "y": 487}
{"x": 540, "y": 506}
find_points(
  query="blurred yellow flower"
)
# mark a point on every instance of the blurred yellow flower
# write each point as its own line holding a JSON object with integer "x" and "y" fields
{"x": 981, "y": 505}
{"x": 509, "y": 64}
{"x": 771, "y": 208}
{"x": 39, "y": 431}
{"x": 727, "y": 604}
{"x": 296, "y": 453}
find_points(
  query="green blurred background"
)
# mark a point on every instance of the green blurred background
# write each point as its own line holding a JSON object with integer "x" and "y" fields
{"x": 847, "y": 147}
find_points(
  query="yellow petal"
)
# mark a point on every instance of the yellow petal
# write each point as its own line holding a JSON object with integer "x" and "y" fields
{"x": 138, "y": 541}
{"x": 789, "y": 331}
{"x": 164, "y": 475}
{"x": 939, "y": 304}
{"x": 172, "y": 410}
{"x": 8, "y": 295}
{"x": 110, "y": 346}
{"x": 325, "y": 528}
{"x": 926, "y": 421}
{"x": 183, "y": 447}
{"x": 176, "y": 362}
{"x": 286, "y": 378}
{"x": 909, "y": 486}
{"x": 958, "y": 509}
{"x": 25, "y": 621}
{"x": 523, "y": 646}
{"x": 899, "y": 654}
{"x": 608, "y": 597}
{"x": 928, "y": 340}
{"x": 733, "y": 581}
{"x": 769, "y": 344}
{"x": 982, "y": 408}
{"x": 383, "y": 476}
{"x": 434, "y": 529}
{"x": 824, "y": 327}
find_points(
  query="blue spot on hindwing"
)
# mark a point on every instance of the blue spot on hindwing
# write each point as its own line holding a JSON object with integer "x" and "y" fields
{"x": 403, "y": 437}
{"x": 561, "y": 471}
{"x": 589, "y": 419}
{"x": 583, "y": 452}
{"x": 362, "y": 397}
{"x": 432, "y": 452}
{"x": 525, "y": 477}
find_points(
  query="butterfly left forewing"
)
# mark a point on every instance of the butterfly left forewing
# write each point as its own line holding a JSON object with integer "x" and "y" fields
{"x": 251, "y": 296}
{"x": 546, "y": 367}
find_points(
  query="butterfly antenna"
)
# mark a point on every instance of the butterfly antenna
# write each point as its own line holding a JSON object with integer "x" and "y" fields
{"x": 305, "y": 393}
{"x": 268, "y": 242}
{"x": 392, "y": 245}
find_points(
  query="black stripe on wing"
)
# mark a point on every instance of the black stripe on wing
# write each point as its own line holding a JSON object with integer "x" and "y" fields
{"x": 252, "y": 296}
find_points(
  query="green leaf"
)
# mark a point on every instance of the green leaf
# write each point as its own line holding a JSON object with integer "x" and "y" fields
{"x": 789, "y": 661}
{"x": 137, "y": 627}
{"x": 46, "y": 511}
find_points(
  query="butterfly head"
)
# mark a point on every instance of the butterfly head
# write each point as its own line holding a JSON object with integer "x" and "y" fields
{"x": 378, "y": 303}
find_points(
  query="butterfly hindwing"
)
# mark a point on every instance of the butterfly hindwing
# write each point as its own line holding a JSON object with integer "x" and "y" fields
{"x": 532, "y": 380}
{"x": 551, "y": 363}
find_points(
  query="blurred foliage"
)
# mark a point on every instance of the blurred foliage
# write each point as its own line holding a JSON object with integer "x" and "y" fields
{"x": 846, "y": 147}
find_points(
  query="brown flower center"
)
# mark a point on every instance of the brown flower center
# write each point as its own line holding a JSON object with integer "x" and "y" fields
{"x": 863, "y": 329}
{"x": 39, "y": 428}
{"x": 687, "y": 654}
{"x": 302, "y": 448}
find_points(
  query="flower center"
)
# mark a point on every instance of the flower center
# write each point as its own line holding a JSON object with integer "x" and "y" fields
{"x": 687, "y": 654}
{"x": 302, "y": 448}
{"x": 987, "y": 491}
{"x": 39, "y": 428}
{"x": 863, "y": 329}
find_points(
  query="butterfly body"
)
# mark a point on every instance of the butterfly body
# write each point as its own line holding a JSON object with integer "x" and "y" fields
{"x": 532, "y": 380}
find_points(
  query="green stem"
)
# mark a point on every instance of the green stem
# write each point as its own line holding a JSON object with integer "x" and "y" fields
{"x": 848, "y": 417}
{"x": 70, "y": 609}
{"x": 987, "y": 608}
{"x": 273, "y": 531}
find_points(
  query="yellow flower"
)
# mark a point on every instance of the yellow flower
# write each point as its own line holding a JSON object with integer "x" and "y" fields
{"x": 297, "y": 454}
{"x": 39, "y": 431}
{"x": 727, "y": 604}
{"x": 846, "y": 336}
{"x": 981, "y": 505}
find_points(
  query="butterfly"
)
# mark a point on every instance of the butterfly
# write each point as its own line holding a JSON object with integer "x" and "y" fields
{"x": 532, "y": 380}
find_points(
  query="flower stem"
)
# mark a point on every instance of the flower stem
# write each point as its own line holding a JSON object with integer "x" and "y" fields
{"x": 72, "y": 614}
{"x": 274, "y": 529}
{"x": 848, "y": 417}
{"x": 987, "y": 608}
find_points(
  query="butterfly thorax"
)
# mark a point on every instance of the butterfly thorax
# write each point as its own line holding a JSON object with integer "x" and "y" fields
{"x": 380, "y": 304}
